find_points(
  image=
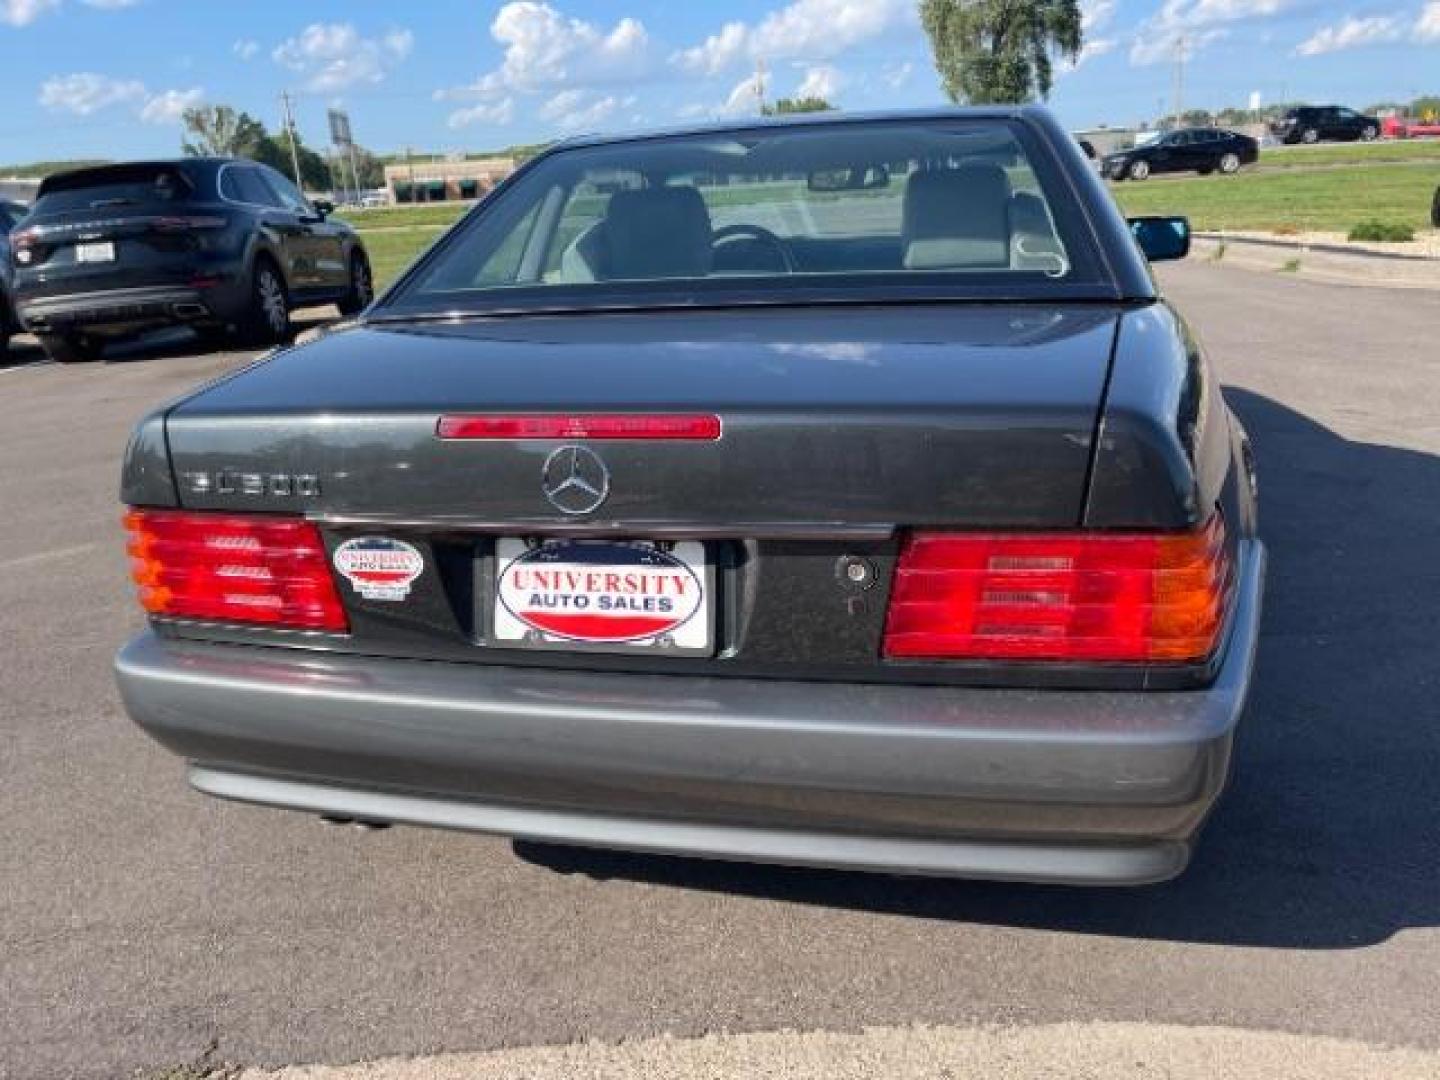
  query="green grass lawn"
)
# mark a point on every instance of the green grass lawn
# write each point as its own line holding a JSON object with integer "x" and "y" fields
{"x": 1330, "y": 200}
{"x": 392, "y": 252}
{"x": 1385, "y": 150}
{"x": 439, "y": 215}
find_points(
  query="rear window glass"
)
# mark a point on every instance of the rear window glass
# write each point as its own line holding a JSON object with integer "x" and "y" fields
{"x": 127, "y": 185}
{"x": 830, "y": 207}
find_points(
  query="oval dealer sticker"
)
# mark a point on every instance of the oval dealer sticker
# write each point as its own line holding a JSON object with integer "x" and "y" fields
{"x": 378, "y": 567}
{"x": 600, "y": 592}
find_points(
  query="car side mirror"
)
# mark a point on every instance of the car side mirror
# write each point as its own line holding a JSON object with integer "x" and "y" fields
{"x": 323, "y": 208}
{"x": 1162, "y": 238}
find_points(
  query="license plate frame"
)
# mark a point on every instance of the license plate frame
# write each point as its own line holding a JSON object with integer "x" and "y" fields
{"x": 517, "y": 625}
{"x": 95, "y": 252}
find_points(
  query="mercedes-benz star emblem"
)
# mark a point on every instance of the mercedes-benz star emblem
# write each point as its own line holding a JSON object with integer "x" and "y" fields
{"x": 575, "y": 480}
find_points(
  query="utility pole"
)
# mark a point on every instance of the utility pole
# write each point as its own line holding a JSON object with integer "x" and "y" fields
{"x": 294, "y": 140}
{"x": 760, "y": 84}
{"x": 1179, "y": 80}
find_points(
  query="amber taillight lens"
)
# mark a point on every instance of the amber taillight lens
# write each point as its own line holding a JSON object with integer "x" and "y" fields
{"x": 1074, "y": 596}
{"x": 241, "y": 568}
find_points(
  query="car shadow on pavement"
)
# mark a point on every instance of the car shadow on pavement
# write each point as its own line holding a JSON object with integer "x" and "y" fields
{"x": 163, "y": 344}
{"x": 1329, "y": 836}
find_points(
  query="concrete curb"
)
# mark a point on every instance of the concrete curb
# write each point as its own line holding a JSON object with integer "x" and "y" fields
{"x": 1319, "y": 262}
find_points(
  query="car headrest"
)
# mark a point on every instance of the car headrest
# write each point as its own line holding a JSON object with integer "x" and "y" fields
{"x": 1033, "y": 243}
{"x": 657, "y": 233}
{"x": 957, "y": 218}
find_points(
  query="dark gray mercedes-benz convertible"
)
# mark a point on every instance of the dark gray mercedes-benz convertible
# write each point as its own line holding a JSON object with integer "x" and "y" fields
{"x": 836, "y": 491}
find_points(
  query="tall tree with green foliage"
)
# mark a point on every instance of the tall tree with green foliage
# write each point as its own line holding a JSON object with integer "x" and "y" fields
{"x": 788, "y": 106}
{"x": 220, "y": 131}
{"x": 1000, "y": 51}
{"x": 274, "y": 150}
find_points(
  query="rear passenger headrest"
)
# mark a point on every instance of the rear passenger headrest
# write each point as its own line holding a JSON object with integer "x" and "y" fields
{"x": 957, "y": 218}
{"x": 657, "y": 233}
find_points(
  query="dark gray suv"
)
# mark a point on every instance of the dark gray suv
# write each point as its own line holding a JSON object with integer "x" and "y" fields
{"x": 227, "y": 247}
{"x": 10, "y": 213}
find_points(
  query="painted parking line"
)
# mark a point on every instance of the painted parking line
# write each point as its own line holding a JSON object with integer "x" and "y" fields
{"x": 22, "y": 561}
{"x": 22, "y": 367}
{"x": 1060, "y": 1051}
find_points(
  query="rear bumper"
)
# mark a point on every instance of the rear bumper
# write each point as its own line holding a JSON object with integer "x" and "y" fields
{"x": 1063, "y": 786}
{"x": 115, "y": 309}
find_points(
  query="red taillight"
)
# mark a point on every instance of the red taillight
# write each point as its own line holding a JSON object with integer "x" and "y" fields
{"x": 672, "y": 426}
{"x": 1098, "y": 597}
{"x": 247, "y": 568}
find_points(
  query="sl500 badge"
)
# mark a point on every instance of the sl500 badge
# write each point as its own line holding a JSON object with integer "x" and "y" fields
{"x": 378, "y": 567}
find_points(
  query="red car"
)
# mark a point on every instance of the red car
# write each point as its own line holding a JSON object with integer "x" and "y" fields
{"x": 1408, "y": 127}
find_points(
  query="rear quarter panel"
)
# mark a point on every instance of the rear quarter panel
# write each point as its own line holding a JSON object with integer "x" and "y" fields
{"x": 1168, "y": 450}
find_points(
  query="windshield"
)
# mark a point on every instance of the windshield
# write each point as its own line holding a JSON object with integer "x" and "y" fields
{"x": 832, "y": 208}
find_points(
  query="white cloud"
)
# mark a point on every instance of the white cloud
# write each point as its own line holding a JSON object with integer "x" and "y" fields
{"x": 1428, "y": 27}
{"x": 897, "y": 75}
{"x": 24, "y": 12}
{"x": 246, "y": 49}
{"x": 821, "y": 81}
{"x": 1097, "y": 14}
{"x": 1351, "y": 33}
{"x": 718, "y": 52}
{"x": 334, "y": 56}
{"x": 498, "y": 112}
{"x": 1191, "y": 25}
{"x": 169, "y": 106}
{"x": 544, "y": 49}
{"x": 87, "y": 92}
{"x": 804, "y": 29}
{"x": 1092, "y": 48}
{"x": 577, "y": 110}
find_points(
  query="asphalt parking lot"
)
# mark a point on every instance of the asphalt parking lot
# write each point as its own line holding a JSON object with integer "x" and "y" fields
{"x": 144, "y": 926}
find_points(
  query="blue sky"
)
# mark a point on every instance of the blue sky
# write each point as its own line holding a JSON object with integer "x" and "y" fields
{"x": 108, "y": 78}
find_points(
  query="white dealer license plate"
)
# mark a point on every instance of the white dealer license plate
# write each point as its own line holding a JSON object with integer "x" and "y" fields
{"x": 594, "y": 595}
{"x": 95, "y": 253}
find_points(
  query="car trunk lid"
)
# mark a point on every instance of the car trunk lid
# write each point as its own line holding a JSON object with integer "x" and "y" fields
{"x": 877, "y": 417}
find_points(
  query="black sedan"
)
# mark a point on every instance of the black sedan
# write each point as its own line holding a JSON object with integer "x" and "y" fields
{"x": 835, "y": 490}
{"x": 1200, "y": 150}
{"x": 226, "y": 247}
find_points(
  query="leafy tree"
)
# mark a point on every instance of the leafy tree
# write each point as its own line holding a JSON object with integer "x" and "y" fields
{"x": 999, "y": 51}
{"x": 1426, "y": 106}
{"x": 220, "y": 131}
{"x": 274, "y": 150}
{"x": 786, "y": 106}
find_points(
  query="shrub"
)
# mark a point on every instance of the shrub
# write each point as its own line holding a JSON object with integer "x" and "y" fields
{"x": 1373, "y": 230}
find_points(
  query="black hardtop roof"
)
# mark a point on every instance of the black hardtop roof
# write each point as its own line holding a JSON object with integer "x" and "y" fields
{"x": 810, "y": 120}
